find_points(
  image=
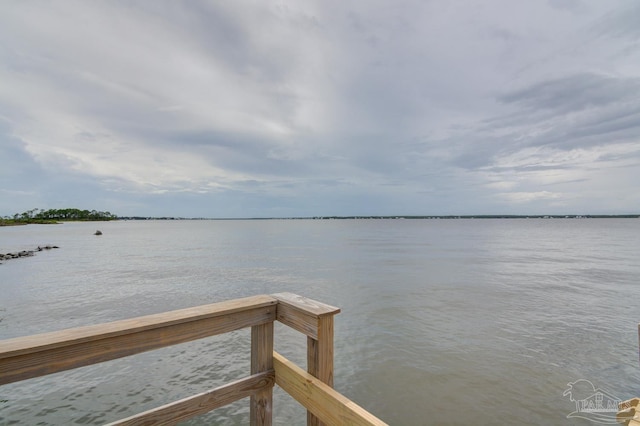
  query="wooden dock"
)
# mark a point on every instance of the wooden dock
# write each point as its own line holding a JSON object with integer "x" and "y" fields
{"x": 38, "y": 355}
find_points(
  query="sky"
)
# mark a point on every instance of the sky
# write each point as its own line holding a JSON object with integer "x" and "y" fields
{"x": 315, "y": 108}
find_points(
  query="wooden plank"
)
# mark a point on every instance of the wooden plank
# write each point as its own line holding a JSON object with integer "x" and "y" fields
{"x": 320, "y": 359}
{"x": 627, "y": 411}
{"x": 195, "y": 405}
{"x": 298, "y": 320}
{"x": 38, "y": 342}
{"x": 320, "y": 352}
{"x": 26, "y": 357}
{"x": 327, "y": 404}
{"x": 302, "y": 303}
{"x": 301, "y": 313}
{"x": 261, "y": 410}
{"x": 312, "y": 368}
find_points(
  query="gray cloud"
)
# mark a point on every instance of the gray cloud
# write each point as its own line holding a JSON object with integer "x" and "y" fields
{"x": 574, "y": 93}
{"x": 621, "y": 22}
{"x": 301, "y": 108}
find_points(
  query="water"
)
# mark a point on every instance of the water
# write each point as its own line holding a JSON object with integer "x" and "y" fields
{"x": 443, "y": 321}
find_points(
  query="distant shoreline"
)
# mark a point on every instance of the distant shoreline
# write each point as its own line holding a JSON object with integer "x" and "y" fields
{"x": 11, "y": 222}
{"x": 622, "y": 216}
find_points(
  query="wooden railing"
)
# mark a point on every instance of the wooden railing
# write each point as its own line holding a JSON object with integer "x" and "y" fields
{"x": 33, "y": 356}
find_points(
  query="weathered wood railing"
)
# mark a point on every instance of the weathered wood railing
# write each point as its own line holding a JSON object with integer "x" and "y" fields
{"x": 33, "y": 356}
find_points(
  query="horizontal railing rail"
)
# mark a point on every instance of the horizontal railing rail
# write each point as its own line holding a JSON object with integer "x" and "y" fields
{"x": 324, "y": 402}
{"x": 27, "y": 357}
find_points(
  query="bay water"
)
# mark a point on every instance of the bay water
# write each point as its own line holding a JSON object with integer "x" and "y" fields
{"x": 484, "y": 321}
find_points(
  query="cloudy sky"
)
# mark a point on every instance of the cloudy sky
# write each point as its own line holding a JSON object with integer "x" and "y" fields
{"x": 301, "y": 108}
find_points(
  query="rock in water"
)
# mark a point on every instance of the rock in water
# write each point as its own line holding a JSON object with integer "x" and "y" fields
{"x": 98, "y": 232}
{"x": 24, "y": 253}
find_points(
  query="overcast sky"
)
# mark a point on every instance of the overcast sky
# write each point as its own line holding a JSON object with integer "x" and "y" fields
{"x": 299, "y": 108}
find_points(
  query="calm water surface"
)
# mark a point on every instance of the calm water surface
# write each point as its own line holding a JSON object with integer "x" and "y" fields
{"x": 443, "y": 321}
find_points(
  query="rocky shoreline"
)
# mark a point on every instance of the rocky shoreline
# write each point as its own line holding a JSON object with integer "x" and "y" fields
{"x": 24, "y": 253}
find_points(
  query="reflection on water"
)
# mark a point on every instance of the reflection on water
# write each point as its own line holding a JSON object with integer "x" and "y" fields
{"x": 495, "y": 316}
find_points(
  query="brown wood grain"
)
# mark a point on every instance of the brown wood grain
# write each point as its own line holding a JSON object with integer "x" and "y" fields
{"x": 324, "y": 402}
{"x": 32, "y": 356}
{"x": 261, "y": 408}
{"x": 301, "y": 313}
{"x": 195, "y": 405}
{"x": 26, "y": 357}
{"x": 320, "y": 358}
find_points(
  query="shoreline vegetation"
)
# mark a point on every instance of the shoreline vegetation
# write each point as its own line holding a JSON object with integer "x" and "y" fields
{"x": 54, "y": 216}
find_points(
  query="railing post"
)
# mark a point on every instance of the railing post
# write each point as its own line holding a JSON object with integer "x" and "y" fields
{"x": 262, "y": 360}
{"x": 320, "y": 358}
{"x": 315, "y": 320}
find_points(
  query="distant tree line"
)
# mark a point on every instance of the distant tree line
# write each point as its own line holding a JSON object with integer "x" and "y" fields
{"x": 54, "y": 215}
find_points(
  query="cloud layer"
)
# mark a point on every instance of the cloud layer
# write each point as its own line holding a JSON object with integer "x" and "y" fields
{"x": 248, "y": 109}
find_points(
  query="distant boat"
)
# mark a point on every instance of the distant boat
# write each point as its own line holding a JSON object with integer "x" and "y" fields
{"x": 98, "y": 232}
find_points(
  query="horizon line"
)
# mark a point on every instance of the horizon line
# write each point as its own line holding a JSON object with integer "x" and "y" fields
{"x": 347, "y": 217}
